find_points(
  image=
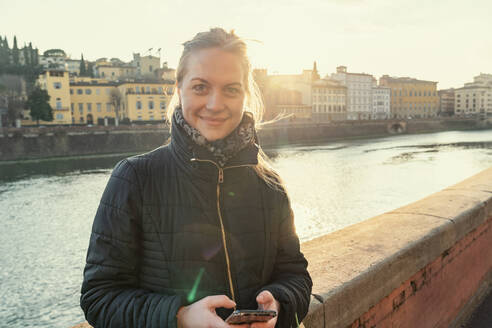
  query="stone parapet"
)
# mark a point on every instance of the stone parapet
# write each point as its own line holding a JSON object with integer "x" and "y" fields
{"x": 423, "y": 265}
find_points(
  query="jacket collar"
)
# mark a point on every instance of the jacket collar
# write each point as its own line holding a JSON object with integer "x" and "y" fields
{"x": 185, "y": 150}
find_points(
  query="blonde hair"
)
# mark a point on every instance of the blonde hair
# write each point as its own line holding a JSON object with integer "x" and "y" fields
{"x": 230, "y": 42}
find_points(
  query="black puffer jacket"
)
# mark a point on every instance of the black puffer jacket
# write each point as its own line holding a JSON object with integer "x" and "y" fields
{"x": 172, "y": 228}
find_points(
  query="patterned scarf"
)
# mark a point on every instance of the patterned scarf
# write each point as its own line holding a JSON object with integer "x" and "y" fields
{"x": 222, "y": 149}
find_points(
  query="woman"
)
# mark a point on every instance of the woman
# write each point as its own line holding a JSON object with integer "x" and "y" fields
{"x": 190, "y": 231}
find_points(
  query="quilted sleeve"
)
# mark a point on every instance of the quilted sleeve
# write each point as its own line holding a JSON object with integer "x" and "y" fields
{"x": 110, "y": 296}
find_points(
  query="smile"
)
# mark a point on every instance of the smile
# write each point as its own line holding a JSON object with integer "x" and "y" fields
{"x": 213, "y": 120}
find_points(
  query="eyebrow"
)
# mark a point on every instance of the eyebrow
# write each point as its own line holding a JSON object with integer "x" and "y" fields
{"x": 205, "y": 81}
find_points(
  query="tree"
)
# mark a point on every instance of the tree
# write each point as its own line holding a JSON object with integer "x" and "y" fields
{"x": 31, "y": 55}
{"x": 36, "y": 57}
{"x": 116, "y": 100}
{"x": 13, "y": 92}
{"x": 15, "y": 52}
{"x": 83, "y": 70}
{"x": 38, "y": 103}
{"x": 27, "y": 56}
{"x": 4, "y": 53}
{"x": 90, "y": 69}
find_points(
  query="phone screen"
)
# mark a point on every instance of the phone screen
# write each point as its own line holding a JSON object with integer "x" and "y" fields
{"x": 247, "y": 316}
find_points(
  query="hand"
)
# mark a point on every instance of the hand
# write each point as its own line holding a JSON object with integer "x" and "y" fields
{"x": 202, "y": 313}
{"x": 266, "y": 301}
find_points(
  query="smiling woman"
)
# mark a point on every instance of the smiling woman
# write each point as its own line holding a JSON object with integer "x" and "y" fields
{"x": 192, "y": 230}
{"x": 212, "y": 93}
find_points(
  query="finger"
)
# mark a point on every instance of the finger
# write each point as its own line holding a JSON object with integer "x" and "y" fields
{"x": 219, "y": 301}
{"x": 269, "y": 324}
{"x": 264, "y": 297}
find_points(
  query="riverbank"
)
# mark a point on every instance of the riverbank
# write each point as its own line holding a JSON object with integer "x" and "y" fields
{"x": 52, "y": 142}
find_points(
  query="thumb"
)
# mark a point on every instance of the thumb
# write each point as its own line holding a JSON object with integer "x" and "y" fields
{"x": 264, "y": 297}
{"x": 217, "y": 301}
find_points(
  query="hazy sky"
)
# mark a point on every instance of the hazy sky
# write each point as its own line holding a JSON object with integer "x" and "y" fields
{"x": 444, "y": 41}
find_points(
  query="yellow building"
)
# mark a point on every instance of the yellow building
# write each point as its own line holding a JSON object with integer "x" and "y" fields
{"x": 146, "y": 101}
{"x": 91, "y": 102}
{"x": 115, "y": 72}
{"x": 411, "y": 98}
{"x": 56, "y": 83}
{"x": 96, "y": 102}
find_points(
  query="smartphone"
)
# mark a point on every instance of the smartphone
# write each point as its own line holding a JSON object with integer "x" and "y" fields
{"x": 247, "y": 316}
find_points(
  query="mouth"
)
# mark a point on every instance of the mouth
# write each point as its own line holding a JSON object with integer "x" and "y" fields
{"x": 213, "y": 120}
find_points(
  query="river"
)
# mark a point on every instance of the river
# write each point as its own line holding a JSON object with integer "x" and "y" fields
{"x": 47, "y": 207}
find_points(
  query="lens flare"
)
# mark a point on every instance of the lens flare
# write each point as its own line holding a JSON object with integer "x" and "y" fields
{"x": 192, "y": 293}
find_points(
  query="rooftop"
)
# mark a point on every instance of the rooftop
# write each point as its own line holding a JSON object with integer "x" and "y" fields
{"x": 404, "y": 79}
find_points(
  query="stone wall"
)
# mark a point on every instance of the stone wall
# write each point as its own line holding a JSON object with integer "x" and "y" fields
{"x": 33, "y": 143}
{"x": 427, "y": 264}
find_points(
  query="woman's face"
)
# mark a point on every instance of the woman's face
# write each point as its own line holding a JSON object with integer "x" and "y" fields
{"x": 212, "y": 92}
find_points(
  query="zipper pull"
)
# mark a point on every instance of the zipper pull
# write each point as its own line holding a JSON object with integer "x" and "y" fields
{"x": 221, "y": 175}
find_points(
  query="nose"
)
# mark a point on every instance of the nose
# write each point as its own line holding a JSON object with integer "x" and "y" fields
{"x": 215, "y": 101}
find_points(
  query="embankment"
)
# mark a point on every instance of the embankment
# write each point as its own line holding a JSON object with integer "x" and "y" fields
{"x": 34, "y": 143}
{"x": 427, "y": 264}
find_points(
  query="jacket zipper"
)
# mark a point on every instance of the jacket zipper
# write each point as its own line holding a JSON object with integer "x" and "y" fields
{"x": 220, "y": 180}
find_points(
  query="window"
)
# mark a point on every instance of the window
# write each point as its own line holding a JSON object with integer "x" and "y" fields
{"x": 98, "y": 91}
{"x": 108, "y": 107}
{"x": 59, "y": 116}
{"x": 147, "y": 89}
{"x": 139, "y": 104}
{"x": 99, "y": 107}
{"x": 58, "y": 105}
{"x": 139, "y": 118}
{"x": 81, "y": 119}
{"x": 71, "y": 107}
{"x": 163, "y": 105}
{"x": 151, "y": 105}
{"x": 89, "y": 107}
{"x": 160, "y": 89}
{"x": 108, "y": 91}
{"x": 80, "y": 91}
{"x": 81, "y": 108}
{"x": 88, "y": 91}
{"x": 57, "y": 85}
{"x": 151, "y": 117}
{"x": 71, "y": 91}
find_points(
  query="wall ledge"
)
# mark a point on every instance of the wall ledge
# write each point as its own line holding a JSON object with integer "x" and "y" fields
{"x": 353, "y": 269}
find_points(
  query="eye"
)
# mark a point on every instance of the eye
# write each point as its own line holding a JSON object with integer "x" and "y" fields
{"x": 199, "y": 88}
{"x": 233, "y": 91}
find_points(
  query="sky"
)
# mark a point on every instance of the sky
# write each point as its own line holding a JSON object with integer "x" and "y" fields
{"x": 449, "y": 42}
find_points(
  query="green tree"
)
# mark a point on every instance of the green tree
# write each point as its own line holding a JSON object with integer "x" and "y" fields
{"x": 83, "y": 70}
{"x": 4, "y": 53}
{"x": 13, "y": 94}
{"x": 38, "y": 103}
{"x": 36, "y": 57}
{"x": 31, "y": 55}
{"x": 90, "y": 69}
{"x": 15, "y": 52}
{"x": 27, "y": 56}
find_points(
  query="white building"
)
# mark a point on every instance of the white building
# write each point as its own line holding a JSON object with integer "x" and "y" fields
{"x": 381, "y": 100}
{"x": 359, "y": 92}
{"x": 329, "y": 101}
{"x": 475, "y": 98}
{"x": 73, "y": 66}
{"x": 53, "y": 59}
